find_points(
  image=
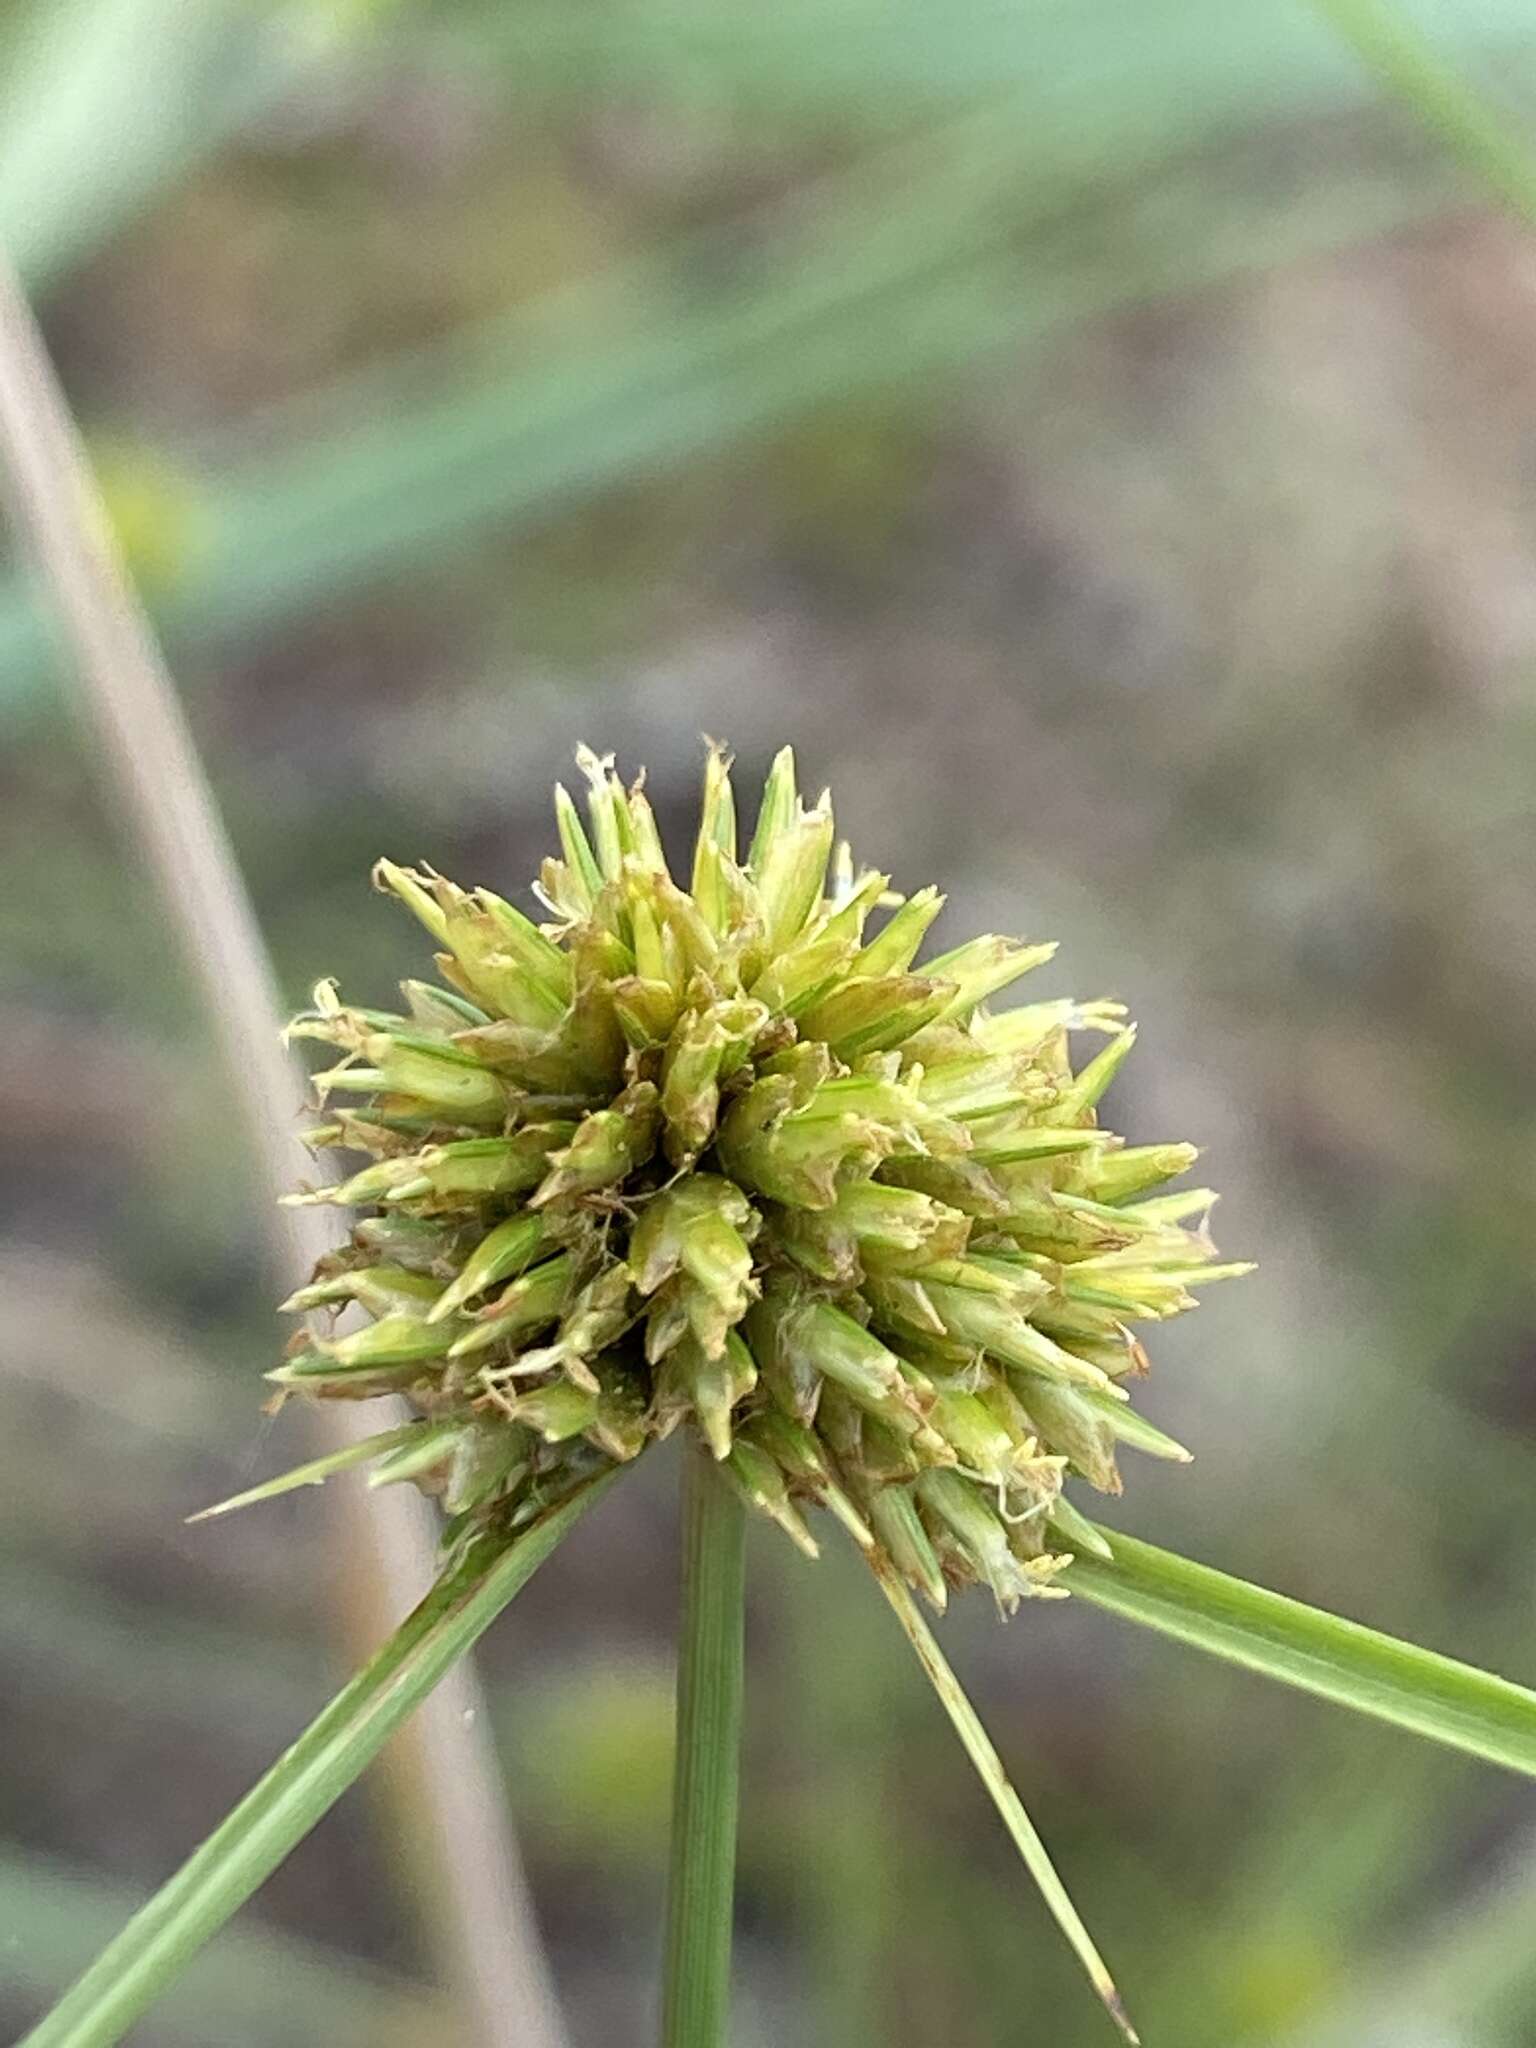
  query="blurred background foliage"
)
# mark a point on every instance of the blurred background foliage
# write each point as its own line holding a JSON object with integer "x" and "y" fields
{"x": 1099, "y": 433}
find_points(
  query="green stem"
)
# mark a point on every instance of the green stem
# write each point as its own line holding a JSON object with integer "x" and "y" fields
{"x": 305, "y": 1782}
{"x": 1315, "y": 1651}
{"x": 702, "y": 1880}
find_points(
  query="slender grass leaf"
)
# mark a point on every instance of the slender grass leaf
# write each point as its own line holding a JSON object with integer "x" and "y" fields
{"x": 168, "y": 83}
{"x": 1073, "y": 194}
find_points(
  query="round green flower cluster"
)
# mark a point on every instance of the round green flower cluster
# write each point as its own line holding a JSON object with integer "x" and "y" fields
{"x": 714, "y": 1156}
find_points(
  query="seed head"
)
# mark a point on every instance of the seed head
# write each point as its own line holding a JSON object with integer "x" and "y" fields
{"x": 721, "y": 1157}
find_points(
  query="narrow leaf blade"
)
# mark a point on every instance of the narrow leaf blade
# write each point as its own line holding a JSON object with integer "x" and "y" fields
{"x": 315, "y": 1472}
{"x": 306, "y": 1781}
{"x": 1315, "y": 1651}
{"x": 989, "y": 1768}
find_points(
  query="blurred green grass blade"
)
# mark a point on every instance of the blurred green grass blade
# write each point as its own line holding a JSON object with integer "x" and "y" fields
{"x": 166, "y": 82}
{"x": 254, "y": 1984}
{"x": 1463, "y": 1970}
{"x": 157, "y": 1944}
{"x": 1317, "y": 1652}
{"x": 1470, "y": 125}
{"x": 842, "y": 308}
{"x": 171, "y": 85}
{"x": 875, "y": 60}
{"x": 1081, "y": 193}
{"x": 990, "y": 1769}
{"x": 544, "y": 418}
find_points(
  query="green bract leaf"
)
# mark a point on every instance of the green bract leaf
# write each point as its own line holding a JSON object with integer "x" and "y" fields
{"x": 1321, "y": 1653}
{"x": 989, "y": 1768}
{"x": 306, "y": 1781}
{"x": 316, "y": 1472}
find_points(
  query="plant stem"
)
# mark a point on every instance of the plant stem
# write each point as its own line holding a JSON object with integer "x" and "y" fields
{"x": 702, "y": 1880}
{"x": 305, "y": 1782}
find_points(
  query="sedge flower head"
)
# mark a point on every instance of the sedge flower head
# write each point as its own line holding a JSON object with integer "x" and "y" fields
{"x": 722, "y": 1152}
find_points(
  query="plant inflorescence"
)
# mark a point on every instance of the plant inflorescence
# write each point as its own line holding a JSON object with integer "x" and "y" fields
{"x": 720, "y": 1156}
